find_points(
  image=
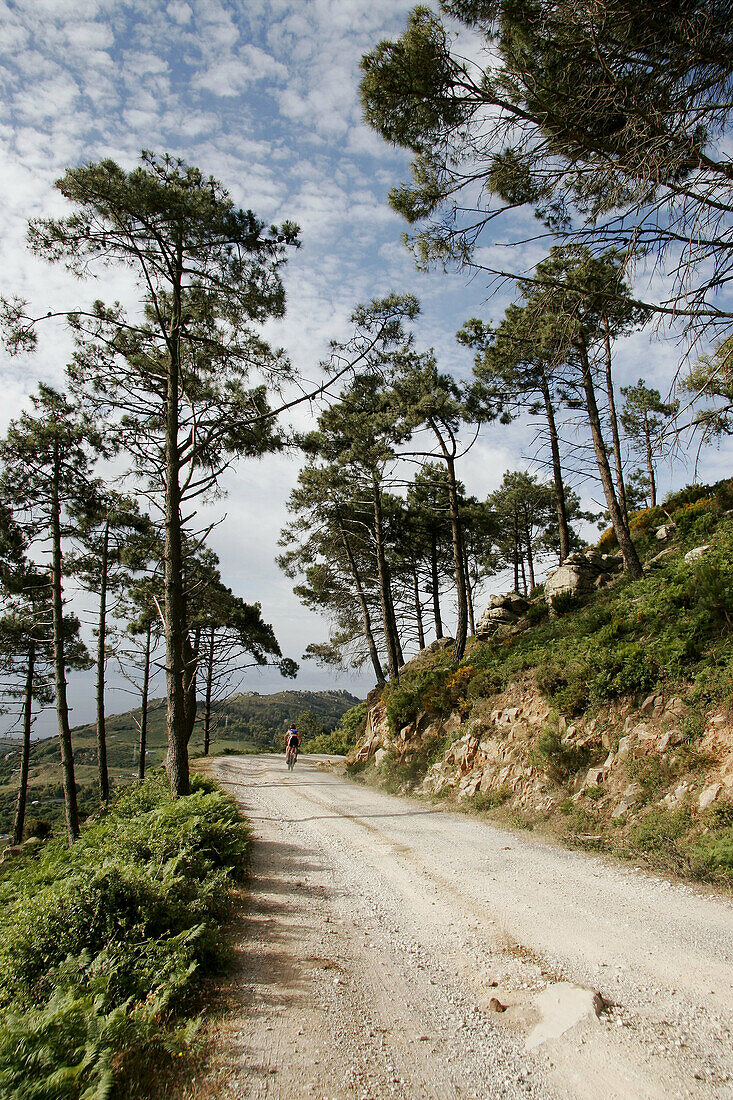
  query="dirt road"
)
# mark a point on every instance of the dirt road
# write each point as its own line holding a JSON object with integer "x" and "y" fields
{"x": 379, "y": 930}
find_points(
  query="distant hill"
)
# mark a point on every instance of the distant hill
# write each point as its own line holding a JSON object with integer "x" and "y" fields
{"x": 245, "y": 722}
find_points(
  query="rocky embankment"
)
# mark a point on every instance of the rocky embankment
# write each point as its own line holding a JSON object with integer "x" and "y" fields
{"x": 496, "y": 753}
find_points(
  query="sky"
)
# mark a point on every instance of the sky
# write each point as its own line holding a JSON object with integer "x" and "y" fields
{"x": 262, "y": 94}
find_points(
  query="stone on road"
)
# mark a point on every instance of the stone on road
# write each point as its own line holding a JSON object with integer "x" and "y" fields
{"x": 379, "y": 930}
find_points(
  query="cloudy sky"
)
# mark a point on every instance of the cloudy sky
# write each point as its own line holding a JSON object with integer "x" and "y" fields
{"x": 263, "y": 95}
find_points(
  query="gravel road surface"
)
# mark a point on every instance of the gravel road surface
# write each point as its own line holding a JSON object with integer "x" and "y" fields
{"x": 381, "y": 934}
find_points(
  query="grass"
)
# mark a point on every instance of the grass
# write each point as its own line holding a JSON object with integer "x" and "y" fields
{"x": 102, "y": 945}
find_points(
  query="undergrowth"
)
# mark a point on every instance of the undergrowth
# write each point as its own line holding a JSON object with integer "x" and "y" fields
{"x": 342, "y": 739}
{"x": 671, "y": 626}
{"x": 101, "y": 945}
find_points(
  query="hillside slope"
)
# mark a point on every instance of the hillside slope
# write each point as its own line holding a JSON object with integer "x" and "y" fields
{"x": 608, "y": 724}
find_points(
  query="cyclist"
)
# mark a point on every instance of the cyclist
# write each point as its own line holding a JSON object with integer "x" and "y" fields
{"x": 292, "y": 744}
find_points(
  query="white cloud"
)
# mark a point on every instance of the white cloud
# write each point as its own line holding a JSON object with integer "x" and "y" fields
{"x": 180, "y": 12}
{"x": 229, "y": 76}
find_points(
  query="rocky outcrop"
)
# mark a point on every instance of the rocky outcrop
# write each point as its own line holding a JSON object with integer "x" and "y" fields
{"x": 495, "y": 753}
{"x": 580, "y": 574}
{"x": 501, "y": 612}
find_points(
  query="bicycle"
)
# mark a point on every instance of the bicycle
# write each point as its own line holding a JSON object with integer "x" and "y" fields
{"x": 291, "y": 756}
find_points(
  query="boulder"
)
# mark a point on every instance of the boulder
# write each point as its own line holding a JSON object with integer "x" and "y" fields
{"x": 571, "y": 579}
{"x": 676, "y": 796}
{"x": 666, "y": 531}
{"x": 595, "y": 776}
{"x": 709, "y": 795}
{"x": 581, "y": 573}
{"x": 501, "y": 611}
{"x": 697, "y": 553}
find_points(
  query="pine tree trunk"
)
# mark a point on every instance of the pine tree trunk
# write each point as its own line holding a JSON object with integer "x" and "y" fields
{"x": 618, "y": 519}
{"x": 418, "y": 610}
{"x": 562, "y": 518}
{"x": 384, "y": 587}
{"x": 209, "y": 685}
{"x": 25, "y": 753}
{"x": 191, "y": 654}
{"x": 59, "y": 660}
{"x": 144, "y": 706}
{"x": 366, "y": 617}
{"x": 458, "y": 561}
{"x": 614, "y": 424}
{"x": 436, "y": 583}
{"x": 469, "y": 593}
{"x": 650, "y": 461}
{"x": 101, "y": 661}
{"x": 516, "y": 555}
{"x": 395, "y": 631}
{"x": 528, "y": 543}
{"x": 175, "y": 605}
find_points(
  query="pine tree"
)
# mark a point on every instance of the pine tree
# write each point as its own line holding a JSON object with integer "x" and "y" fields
{"x": 185, "y": 379}
{"x": 108, "y": 528}
{"x": 643, "y": 417}
{"x": 47, "y": 477}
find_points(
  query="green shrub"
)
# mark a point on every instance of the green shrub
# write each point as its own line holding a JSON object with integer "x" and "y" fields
{"x": 436, "y": 690}
{"x": 97, "y": 941}
{"x": 696, "y": 518}
{"x": 34, "y": 826}
{"x": 483, "y": 801}
{"x": 341, "y": 740}
{"x": 537, "y": 613}
{"x": 689, "y": 495}
{"x": 711, "y": 857}
{"x": 693, "y": 727}
{"x": 484, "y": 684}
{"x": 565, "y": 603}
{"x": 560, "y": 761}
{"x": 723, "y": 494}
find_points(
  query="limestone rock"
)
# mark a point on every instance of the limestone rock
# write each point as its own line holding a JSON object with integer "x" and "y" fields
{"x": 562, "y": 1006}
{"x": 380, "y": 756}
{"x": 642, "y": 732}
{"x": 624, "y": 748}
{"x": 697, "y": 553}
{"x": 580, "y": 574}
{"x": 651, "y": 703}
{"x": 502, "y": 611}
{"x": 569, "y": 580}
{"x": 596, "y": 776}
{"x": 709, "y": 795}
{"x": 676, "y": 796}
{"x": 666, "y": 531}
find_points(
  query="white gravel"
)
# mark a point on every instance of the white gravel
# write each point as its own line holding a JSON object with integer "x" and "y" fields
{"x": 379, "y": 929}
